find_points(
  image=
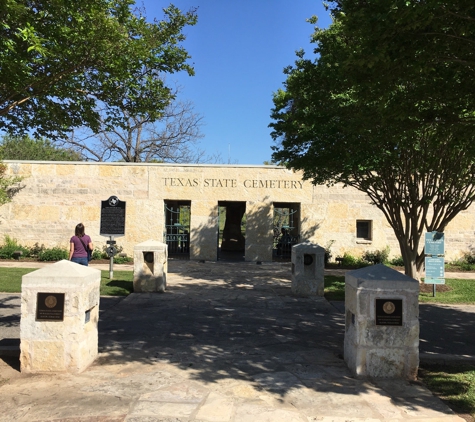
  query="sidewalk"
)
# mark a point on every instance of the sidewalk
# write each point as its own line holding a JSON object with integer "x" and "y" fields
{"x": 227, "y": 342}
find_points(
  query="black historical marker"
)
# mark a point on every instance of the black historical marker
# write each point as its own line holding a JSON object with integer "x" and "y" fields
{"x": 50, "y": 307}
{"x": 388, "y": 311}
{"x": 112, "y": 217}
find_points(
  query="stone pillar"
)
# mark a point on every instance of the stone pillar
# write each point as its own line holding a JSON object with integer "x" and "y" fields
{"x": 204, "y": 230}
{"x": 258, "y": 231}
{"x": 308, "y": 265}
{"x": 59, "y": 317}
{"x": 150, "y": 266}
{"x": 382, "y": 323}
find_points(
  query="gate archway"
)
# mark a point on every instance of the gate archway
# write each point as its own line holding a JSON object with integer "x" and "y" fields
{"x": 286, "y": 223}
{"x": 177, "y": 228}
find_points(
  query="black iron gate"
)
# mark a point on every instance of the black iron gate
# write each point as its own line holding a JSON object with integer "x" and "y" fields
{"x": 286, "y": 230}
{"x": 177, "y": 228}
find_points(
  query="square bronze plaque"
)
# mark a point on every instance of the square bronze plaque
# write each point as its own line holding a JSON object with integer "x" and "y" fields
{"x": 388, "y": 311}
{"x": 50, "y": 307}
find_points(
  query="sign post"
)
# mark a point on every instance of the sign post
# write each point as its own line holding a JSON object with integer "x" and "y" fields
{"x": 434, "y": 249}
{"x": 112, "y": 224}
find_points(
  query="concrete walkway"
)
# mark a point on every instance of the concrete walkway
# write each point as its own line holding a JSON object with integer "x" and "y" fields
{"x": 227, "y": 342}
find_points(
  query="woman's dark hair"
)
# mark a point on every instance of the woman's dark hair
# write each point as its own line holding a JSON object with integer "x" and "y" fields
{"x": 79, "y": 232}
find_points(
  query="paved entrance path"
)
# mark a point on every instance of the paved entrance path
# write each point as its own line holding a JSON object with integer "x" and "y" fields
{"x": 227, "y": 342}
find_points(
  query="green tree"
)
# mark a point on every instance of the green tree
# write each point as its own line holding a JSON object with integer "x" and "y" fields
{"x": 63, "y": 63}
{"x": 9, "y": 185}
{"x": 346, "y": 117}
{"x": 26, "y": 148}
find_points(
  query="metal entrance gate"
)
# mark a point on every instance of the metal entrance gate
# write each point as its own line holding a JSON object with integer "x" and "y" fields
{"x": 286, "y": 230}
{"x": 177, "y": 228}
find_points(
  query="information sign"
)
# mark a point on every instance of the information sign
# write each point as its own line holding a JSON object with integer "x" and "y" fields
{"x": 434, "y": 267}
{"x": 112, "y": 217}
{"x": 428, "y": 280}
{"x": 434, "y": 243}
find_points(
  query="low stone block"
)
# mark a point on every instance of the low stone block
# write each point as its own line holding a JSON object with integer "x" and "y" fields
{"x": 150, "y": 267}
{"x": 59, "y": 318}
{"x": 308, "y": 265}
{"x": 381, "y": 339}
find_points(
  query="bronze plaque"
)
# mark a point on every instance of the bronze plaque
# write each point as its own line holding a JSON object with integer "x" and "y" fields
{"x": 388, "y": 311}
{"x": 50, "y": 307}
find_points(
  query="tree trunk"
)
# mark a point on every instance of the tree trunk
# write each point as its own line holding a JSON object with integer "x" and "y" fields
{"x": 409, "y": 256}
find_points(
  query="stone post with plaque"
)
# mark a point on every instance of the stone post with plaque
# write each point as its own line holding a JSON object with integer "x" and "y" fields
{"x": 382, "y": 323}
{"x": 308, "y": 266}
{"x": 59, "y": 318}
{"x": 150, "y": 267}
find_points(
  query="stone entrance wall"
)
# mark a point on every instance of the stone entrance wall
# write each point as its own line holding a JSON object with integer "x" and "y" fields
{"x": 58, "y": 195}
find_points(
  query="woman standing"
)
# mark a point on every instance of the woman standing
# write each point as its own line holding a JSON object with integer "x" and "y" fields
{"x": 78, "y": 246}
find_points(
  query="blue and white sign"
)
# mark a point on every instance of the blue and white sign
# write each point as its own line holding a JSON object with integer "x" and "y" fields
{"x": 434, "y": 243}
{"x": 435, "y": 270}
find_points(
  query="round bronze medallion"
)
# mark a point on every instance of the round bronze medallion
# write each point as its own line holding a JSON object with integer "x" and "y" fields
{"x": 51, "y": 301}
{"x": 389, "y": 307}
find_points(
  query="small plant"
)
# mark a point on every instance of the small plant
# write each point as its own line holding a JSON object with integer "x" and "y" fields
{"x": 36, "y": 250}
{"x": 53, "y": 254}
{"x": 376, "y": 257}
{"x": 96, "y": 254}
{"x": 11, "y": 246}
{"x": 397, "y": 261}
{"x": 349, "y": 260}
{"x": 468, "y": 258}
{"x": 122, "y": 259}
{"x": 328, "y": 252}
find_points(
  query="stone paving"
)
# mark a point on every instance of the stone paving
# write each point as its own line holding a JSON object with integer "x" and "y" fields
{"x": 226, "y": 342}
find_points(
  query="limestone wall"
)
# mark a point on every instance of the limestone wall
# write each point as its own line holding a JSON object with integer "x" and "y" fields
{"x": 58, "y": 195}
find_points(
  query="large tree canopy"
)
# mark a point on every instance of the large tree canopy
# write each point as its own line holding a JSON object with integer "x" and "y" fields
{"x": 374, "y": 110}
{"x": 26, "y": 148}
{"x": 64, "y": 62}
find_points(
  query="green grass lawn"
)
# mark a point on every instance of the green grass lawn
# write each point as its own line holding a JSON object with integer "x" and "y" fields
{"x": 121, "y": 285}
{"x": 334, "y": 287}
{"x": 453, "y": 384}
{"x": 461, "y": 291}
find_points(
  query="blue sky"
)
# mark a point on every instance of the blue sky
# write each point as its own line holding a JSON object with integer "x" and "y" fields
{"x": 239, "y": 49}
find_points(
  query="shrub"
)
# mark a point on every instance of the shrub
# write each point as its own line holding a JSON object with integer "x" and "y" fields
{"x": 36, "y": 249}
{"x": 397, "y": 261}
{"x": 10, "y": 246}
{"x": 350, "y": 260}
{"x": 122, "y": 259}
{"x": 53, "y": 254}
{"x": 96, "y": 254}
{"x": 468, "y": 258}
{"x": 376, "y": 257}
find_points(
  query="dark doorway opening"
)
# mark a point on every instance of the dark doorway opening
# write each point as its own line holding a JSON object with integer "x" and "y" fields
{"x": 177, "y": 228}
{"x": 232, "y": 230}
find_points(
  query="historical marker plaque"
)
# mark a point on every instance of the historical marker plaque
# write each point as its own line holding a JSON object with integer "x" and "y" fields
{"x": 50, "y": 307}
{"x": 388, "y": 311}
{"x": 112, "y": 217}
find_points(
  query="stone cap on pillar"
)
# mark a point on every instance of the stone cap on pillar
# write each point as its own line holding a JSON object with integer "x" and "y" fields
{"x": 307, "y": 247}
{"x": 150, "y": 245}
{"x": 380, "y": 276}
{"x": 65, "y": 270}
